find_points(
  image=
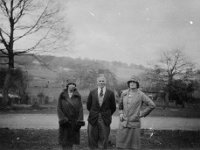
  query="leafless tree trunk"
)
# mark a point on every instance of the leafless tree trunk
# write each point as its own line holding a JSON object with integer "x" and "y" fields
{"x": 27, "y": 18}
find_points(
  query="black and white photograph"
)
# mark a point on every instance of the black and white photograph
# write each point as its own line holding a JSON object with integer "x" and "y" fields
{"x": 99, "y": 74}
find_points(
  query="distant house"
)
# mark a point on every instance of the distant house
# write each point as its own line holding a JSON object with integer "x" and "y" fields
{"x": 13, "y": 98}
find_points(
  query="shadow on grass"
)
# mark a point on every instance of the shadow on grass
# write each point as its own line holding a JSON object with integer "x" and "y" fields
{"x": 31, "y": 139}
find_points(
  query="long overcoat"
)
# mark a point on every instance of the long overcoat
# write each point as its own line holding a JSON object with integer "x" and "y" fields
{"x": 128, "y": 136}
{"x": 69, "y": 110}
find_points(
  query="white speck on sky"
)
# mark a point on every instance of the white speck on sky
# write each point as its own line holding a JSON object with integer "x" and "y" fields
{"x": 91, "y": 13}
{"x": 133, "y": 31}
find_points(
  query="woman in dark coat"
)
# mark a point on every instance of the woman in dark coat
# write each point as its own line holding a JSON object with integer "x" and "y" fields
{"x": 70, "y": 115}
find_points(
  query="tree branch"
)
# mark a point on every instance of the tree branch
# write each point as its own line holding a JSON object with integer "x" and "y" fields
{"x": 18, "y": 4}
{"x": 4, "y": 32}
{"x": 3, "y": 56}
{"x": 42, "y": 62}
{"x": 30, "y": 31}
{"x": 22, "y": 27}
{"x": 20, "y": 14}
{"x": 3, "y": 39}
{"x": 4, "y": 8}
{"x": 175, "y": 63}
{"x": 3, "y": 52}
{"x": 32, "y": 48}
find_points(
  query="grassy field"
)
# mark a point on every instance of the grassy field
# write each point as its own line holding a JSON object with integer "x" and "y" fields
{"x": 29, "y": 139}
{"x": 159, "y": 111}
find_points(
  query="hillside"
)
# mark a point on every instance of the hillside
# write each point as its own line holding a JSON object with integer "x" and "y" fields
{"x": 49, "y": 67}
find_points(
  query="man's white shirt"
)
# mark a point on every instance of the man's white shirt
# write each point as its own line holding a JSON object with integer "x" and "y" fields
{"x": 99, "y": 90}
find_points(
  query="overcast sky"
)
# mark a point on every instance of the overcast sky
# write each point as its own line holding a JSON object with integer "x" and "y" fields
{"x": 133, "y": 31}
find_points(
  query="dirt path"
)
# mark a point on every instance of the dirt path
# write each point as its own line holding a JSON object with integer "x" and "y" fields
{"x": 50, "y": 121}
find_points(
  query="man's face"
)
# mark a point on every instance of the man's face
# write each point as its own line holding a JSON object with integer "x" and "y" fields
{"x": 101, "y": 82}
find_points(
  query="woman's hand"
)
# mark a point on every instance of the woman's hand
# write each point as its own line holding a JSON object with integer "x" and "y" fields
{"x": 121, "y": 117}
{"x": 65, "y": 122}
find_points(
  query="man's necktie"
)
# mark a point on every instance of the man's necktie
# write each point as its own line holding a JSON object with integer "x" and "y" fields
{"x": 101, "y": 92}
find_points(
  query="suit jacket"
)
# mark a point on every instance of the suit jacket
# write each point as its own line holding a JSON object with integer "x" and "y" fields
{"x": 107, "y": 108}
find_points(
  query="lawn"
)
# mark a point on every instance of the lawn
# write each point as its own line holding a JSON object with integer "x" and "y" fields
{"x": 30, "y": 139}
{"x": 159, "y": 111}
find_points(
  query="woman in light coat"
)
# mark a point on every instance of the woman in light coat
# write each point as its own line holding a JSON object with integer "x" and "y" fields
{"x": 130, "y": 110}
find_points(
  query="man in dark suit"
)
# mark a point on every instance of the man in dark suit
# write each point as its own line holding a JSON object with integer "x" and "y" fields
{"x": 101, "y": 105}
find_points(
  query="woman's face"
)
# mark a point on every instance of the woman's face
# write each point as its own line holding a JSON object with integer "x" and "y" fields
{"x": 71, "y": 87}
{"x": 132, "y": 85}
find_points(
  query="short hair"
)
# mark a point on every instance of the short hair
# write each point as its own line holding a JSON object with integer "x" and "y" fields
{"x": 101, "y": 76}
{"x": 137, "y": 84}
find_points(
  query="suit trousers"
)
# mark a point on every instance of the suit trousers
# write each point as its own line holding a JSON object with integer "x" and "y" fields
{"x": 98, "y": 134}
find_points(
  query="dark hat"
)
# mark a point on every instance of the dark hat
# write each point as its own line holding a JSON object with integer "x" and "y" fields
{"x": 70, "y": 81}
{"x": 133, "y": 79}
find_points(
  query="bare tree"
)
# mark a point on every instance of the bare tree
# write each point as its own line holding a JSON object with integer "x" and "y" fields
{"x": 172, "y": 65}
{"x": 175, "y": 64}
{"x": 37, "y": 20}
